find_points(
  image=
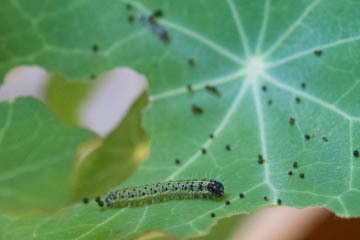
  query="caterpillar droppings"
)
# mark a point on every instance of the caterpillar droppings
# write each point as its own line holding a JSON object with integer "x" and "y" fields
{"x": 161, "y": 192}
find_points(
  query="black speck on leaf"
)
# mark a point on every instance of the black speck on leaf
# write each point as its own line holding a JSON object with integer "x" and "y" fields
{"x": 191, "y": 62}
{"x": 292, "y": 121}
{"x": 95, "y": 48}
{"x": 131, "y": 18}
{"x": 356, "y": 153}
{"x": 212, "y": 90}
{"x": 196, "y": 109}
{"x": 318, "y": 53}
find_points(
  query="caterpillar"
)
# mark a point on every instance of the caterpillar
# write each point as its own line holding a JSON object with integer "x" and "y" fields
{"x": 161, "y": 192}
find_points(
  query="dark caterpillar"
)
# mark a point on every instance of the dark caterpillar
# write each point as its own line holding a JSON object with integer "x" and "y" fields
{"x": 154, "y": 193}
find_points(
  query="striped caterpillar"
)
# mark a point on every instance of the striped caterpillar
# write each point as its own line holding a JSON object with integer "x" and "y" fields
{"x": 154, "y": 193}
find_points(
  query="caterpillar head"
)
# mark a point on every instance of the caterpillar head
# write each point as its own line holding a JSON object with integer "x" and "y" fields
{"x": 216, "y": 189}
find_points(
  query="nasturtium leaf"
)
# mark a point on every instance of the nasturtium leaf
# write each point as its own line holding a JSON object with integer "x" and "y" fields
{"x": 287, "y": 77}
{"x": 64, "y": 97}
{"x": 37, "y": 155}
{"x": 116, "y": 159}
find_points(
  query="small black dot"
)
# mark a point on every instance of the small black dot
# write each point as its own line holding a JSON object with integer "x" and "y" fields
{"x": 227, "y": 202}
{"x": 211, "y": 135}
{"x": 86, "y": 200}
{"x": 212, "y": 90}
{"x": 196, "y": 109}
{"x": 93, "y": 76}
{"x": 97, "y": 199}
{"x": 100, "y": 203}
{"x": 241, "y": 195}
{"x": 303, "y": 85}
{"x": 128, "y": 6}
{"x": 295, "y": 164}
{"x": 212, "y": 215}
{"x": 228, "y": 147}
{"x": 157, "y": 13}
{"x": 325, "y": 139}
{"x": 191, "y": 62}
{"x": 189, "y": 88}
{"x": 279, "y": 202}
{"x": 266, "y": 198}
{"x": 203, "y": 151}
{"x": 292, "y": 121}
{"x": 264, "y": 88}
{"x": 260, "y": 159}
{"x": 297, "y": 100}
{"x": 290, "y": 173}
{"x": 95, "y": 48}
{"x": 270, "y": 102}
{"x": 307, "y": 137}
{"x": 356, "y": 153}
{"x": 318, "y": 53}
{"x": 301, "y": 175}
{"x": 177, "y": 161}
{"x": 131, "y": 18}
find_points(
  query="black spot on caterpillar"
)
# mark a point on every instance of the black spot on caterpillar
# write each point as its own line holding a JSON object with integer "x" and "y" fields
{"x": 303, "y": 85}
{"x": 177, "y": 161}
{"x": 307, "y": 137}
{"x": 302, "y": 175}
{"x": 279, "y": 202}
{"x": 264, "y": 88}
{"x": 212, "y": 215}
{"x": 269, "y": 102}
{"x": 155, "y": 27}
{"x": 297, "y": 100}
{"x": 325, "y": 139}
{"x": 161, "y": 192}
{"x": 290, "y": 173}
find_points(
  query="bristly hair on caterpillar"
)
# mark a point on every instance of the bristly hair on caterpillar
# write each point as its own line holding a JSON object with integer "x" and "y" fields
{"x": 161, "y": 192}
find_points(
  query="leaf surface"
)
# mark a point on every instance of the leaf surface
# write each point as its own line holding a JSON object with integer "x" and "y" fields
{"x": 278, "y": 99}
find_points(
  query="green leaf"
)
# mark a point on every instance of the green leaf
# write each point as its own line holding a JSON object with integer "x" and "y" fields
{"x": 116, "y": 159}
{"x": 241, "y": 47}
{"x": 37, "y": 156}
{"x": 64, "y": 97}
